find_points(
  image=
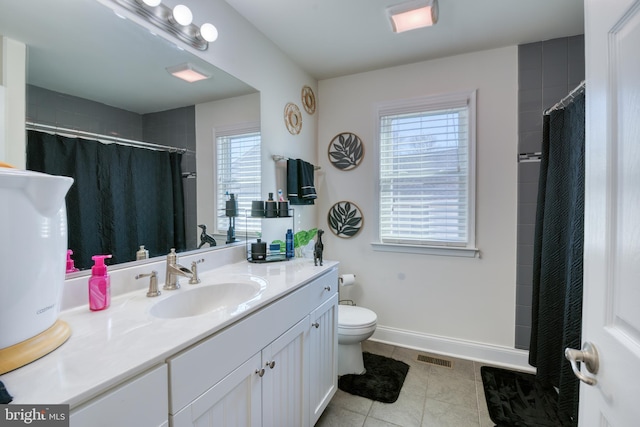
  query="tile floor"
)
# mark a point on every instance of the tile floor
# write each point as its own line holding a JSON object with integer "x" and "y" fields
{"x": 432, "y": 396}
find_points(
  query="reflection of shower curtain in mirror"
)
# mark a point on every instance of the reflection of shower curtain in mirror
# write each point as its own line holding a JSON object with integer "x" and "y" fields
{"x": 122, "y": 196}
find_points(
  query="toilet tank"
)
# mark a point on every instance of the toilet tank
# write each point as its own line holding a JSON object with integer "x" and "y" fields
{"x": 33, "y": 229}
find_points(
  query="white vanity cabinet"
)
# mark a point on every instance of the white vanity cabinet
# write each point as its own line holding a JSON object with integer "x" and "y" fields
{"x": 258, "y": 371}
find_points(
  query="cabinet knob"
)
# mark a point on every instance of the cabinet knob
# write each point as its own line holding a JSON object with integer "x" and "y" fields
{"x": 327, "y": 288}
{"x": 260, "y": 372}
{"x": 271, "y": 364}
{"x": 315, "y": 325}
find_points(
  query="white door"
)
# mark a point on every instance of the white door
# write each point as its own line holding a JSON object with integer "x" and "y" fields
{"x": 611, "y": 306}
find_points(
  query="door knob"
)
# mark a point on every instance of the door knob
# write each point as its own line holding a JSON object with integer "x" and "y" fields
{"x": 589, "y": 356}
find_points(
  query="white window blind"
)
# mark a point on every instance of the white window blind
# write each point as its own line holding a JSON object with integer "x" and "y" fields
{"x": 238, "y": 172}
{"x": 426, "y": 156}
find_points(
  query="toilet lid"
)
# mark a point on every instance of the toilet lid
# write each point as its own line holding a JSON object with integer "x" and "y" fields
{"x": 350, "y": 316}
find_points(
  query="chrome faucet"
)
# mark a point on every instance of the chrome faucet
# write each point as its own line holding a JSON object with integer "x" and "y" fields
{"x": 153, "y": 283}
{"x": 194, "y": 272}
{"x": 173, "y": 271}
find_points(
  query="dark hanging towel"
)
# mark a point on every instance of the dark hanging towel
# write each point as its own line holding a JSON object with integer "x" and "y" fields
{"x": 558, "y": 253}
{"x": 122, "y": 196}
{"x": 300, "y": 186}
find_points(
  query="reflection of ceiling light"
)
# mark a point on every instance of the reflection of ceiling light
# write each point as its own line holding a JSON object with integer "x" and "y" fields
{"x": 182, "y": 14}
{"x": 187, "y": 72}
{"x": 414, "y": 14}
{"x": 152, "y": 3}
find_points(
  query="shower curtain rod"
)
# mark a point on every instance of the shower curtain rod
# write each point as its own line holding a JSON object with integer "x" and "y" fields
{"x": 567, "y": 99}
{"x": 108, "y": 139}
{"x": 277, "y": 158}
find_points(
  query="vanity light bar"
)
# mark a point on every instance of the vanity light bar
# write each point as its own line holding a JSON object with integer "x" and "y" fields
{"x": 163, "y": 17}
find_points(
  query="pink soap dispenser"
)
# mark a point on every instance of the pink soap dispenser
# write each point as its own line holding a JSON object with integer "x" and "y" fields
{"x": 71, "y": 268}
{"x": 99, "y": 284}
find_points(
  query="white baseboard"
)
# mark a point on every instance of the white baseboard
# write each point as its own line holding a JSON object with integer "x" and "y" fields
{"x": 486, "y": 353}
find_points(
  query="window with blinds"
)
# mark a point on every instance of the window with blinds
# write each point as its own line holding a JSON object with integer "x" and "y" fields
{"x": 238, "y": 172}
{"x": 426, "y": 176}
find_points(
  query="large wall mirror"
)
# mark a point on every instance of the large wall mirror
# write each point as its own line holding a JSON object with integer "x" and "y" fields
{"x": 93, "y": 71}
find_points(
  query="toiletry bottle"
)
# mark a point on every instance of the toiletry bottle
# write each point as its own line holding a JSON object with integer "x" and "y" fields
{"x": 142, "y": 253}
{"x": 99, "y": 284}
{"x": 289, "y": 251}
{"x": 71, "y": 268}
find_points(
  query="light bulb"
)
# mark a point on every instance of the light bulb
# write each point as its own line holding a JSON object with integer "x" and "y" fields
{"x": 151, "y": 3}
{"x": 182, "y": 14}
{"x": 209, "y": 32}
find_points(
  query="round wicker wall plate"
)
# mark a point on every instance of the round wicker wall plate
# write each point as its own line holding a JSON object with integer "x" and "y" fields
{"x": 292, "y": 118}
{"x": 345, "y": 219}
{"x": 308, "y": 100}
{"x": 346, "y": 151}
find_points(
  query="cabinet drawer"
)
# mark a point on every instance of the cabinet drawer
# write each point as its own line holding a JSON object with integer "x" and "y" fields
{"x": 323, "y": 288}
{"x": 141, "y": 401}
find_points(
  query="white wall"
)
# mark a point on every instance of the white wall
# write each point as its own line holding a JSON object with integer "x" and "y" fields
{"x": 12, "y": 117}
{"x": 421, "y": 299}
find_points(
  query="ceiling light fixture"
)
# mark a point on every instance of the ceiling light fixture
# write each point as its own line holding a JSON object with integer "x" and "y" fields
{"x": 187, "y": 72}
{"x": 176, "y": 21}
{"x": 413, "y": 14}
{"x": 209, "y": 32}
{"x": 182, "y": 15}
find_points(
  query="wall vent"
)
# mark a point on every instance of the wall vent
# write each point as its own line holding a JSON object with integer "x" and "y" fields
{"x": 435, "y": 361}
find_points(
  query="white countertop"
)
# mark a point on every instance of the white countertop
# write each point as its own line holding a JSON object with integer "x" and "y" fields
{"x": 107, "y": 347}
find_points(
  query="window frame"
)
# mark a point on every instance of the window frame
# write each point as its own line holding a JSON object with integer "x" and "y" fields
{"x": 230, "y": 131}
{"x": 427, "y": 104}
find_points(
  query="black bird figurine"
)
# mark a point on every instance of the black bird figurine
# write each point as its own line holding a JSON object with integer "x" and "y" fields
{"x": 318, "y": 248}
{"x": 206, "y": 238}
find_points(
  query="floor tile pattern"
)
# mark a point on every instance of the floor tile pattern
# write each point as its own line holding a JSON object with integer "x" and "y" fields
{"x": 432, "y": 396}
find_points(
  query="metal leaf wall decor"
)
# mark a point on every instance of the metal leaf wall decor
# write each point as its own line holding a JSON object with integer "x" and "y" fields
{"x": 346, "y": 151}
{"x": 345, "y": 219}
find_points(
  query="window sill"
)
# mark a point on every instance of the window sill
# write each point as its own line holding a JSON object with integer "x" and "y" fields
{"x": 427, "y": 250}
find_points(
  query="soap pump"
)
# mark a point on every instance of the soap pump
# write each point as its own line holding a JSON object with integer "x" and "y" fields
{"x": 71, "y": 268}
{"x": 99, "y": 284}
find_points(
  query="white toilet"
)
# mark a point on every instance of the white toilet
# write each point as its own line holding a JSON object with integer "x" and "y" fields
{"x": 355, "y": 324}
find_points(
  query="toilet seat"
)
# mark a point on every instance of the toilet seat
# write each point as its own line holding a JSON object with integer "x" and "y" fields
{"x": 353, "y": 317}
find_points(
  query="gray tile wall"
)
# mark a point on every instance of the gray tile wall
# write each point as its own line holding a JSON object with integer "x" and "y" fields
{"x": 176, "y": 128}
{"x": 547, "y": 72}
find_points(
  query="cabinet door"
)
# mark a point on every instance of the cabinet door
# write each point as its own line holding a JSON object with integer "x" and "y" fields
{"x": 285, "y": 400}
{"x": 323, "y": 357}
{"x": 234, "y": 401}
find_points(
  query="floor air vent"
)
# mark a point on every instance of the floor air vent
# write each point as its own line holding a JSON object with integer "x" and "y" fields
{"x": 435, "y": 361}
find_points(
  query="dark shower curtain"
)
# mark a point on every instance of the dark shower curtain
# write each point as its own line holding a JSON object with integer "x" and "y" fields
{"x": 558, "y": 250}
{"x": 122, "y": 196}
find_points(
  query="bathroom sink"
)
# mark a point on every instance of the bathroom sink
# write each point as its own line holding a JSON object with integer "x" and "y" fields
{"x": 204, "y": 299}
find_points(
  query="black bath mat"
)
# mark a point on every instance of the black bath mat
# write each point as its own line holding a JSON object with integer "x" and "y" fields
{"x": 518, "y": 399}
{"x": 382, "y": 381}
